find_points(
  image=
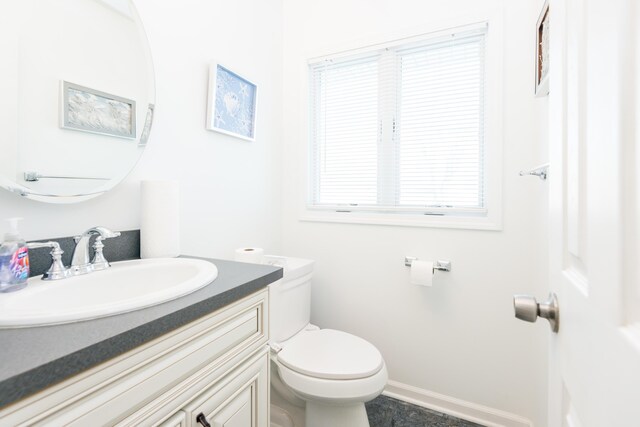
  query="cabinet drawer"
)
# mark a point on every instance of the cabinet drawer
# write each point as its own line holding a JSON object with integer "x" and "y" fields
{"x": 241, "y": 399}
{"x": 108, "y": 393}
{"x": 178, "y": 420}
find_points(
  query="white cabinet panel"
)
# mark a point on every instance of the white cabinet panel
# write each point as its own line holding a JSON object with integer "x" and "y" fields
{"x": 239, "y": 400}
{"x": 237, "y": 413}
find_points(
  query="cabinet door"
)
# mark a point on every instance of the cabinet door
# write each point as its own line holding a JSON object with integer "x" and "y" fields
{"x": 241, "y": 399}
{"x": 236, "y": 413}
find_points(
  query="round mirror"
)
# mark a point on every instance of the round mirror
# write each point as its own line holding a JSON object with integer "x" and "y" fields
{"x": 78, "y": 96}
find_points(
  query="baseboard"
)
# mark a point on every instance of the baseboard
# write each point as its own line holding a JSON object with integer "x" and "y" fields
{"x": 458, "y": 408}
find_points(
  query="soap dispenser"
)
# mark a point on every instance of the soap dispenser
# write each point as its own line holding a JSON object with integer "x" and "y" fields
{"x": 14, "y": 259}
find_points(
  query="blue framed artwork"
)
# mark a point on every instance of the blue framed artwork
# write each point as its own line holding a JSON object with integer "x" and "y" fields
{"x": 232, "y": 104}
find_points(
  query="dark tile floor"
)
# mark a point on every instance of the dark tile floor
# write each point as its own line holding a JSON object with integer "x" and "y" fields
{"x": 385, "y": 411}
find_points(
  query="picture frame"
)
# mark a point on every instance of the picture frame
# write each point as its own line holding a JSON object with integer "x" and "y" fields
{"x": 146, "y": 130}
{"x": 542, "y": 52}
{"x": 90, "y": 110}
{"x": 232, "y": 103}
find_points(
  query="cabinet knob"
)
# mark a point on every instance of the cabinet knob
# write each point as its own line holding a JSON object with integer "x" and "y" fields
{"x": 203, "y": 420}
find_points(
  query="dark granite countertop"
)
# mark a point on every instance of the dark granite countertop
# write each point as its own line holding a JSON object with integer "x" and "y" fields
{"x": 35, "y": 358}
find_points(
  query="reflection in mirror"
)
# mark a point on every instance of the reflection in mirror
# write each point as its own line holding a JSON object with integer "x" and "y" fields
{"x": 78, "y": 96}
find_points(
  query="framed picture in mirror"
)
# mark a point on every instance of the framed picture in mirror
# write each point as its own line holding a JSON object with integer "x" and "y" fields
{"x": 91, "y": 110}
{"x": 146, "y": 130}
{"x": 231, "y": 107}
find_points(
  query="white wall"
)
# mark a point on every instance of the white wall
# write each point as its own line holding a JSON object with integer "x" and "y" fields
{"x": 458, "y": 338}
{"x": 231, "y": 188}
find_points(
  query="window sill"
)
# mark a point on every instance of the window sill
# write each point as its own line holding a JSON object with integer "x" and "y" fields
{"x": 407, "y": 220}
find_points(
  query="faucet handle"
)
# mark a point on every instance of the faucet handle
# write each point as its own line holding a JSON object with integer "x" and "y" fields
{"x": 57, "y": 270}
{"x": 99, "y": 262}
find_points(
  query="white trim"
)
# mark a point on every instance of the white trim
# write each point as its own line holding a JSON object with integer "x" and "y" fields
{"x": 435, "y": 26}
{"x": 631, "y": 333}
{"x": 458, "y": 408}
{"x": 431, "y": 35}
{"x": 408, "y": 220}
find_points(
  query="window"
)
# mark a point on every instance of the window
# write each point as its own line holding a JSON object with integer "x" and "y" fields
{"x": 400, "y": 129}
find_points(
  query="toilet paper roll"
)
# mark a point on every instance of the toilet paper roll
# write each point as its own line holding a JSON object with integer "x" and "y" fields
{"x": 422, "y": 273}
{"x": 253, "y": 255}
{"x": 160, "y": 219}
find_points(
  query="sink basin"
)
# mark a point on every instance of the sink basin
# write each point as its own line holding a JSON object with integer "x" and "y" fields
{"x": 126, "y": 286}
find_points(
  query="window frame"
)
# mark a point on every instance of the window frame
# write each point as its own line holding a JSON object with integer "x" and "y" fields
{"x": 487, "y": 218}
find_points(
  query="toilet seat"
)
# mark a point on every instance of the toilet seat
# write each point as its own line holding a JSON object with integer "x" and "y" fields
{"x": 331, "y": 366}
{"x": 334, "y": 391}
{"x": 331, "y": 355}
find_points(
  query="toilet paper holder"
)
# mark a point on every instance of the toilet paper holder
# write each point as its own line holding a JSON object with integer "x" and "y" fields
{"x": 440, "y": 265}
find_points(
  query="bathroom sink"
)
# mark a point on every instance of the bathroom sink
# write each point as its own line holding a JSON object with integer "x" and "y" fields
{"x": 126, "y": 286}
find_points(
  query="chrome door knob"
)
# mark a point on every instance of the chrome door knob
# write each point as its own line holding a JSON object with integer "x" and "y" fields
{"x": 528, "y": 309}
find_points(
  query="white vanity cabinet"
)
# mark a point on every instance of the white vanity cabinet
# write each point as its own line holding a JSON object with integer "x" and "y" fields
{"x": 217, "y": 366}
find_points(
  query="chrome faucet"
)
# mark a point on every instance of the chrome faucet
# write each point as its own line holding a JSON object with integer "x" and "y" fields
{"x": 80, "y": 263}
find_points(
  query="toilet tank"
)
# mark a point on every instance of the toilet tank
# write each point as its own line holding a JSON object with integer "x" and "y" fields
{"x": 290, "y": 298}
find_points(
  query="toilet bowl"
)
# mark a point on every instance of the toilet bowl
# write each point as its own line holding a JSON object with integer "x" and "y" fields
{"x": 329, "y": 373}
{"x": 335, "y": 373}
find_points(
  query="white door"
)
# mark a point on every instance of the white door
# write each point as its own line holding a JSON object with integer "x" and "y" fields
{"x": 594, "y": 179}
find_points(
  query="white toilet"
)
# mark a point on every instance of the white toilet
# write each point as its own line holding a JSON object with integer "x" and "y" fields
{"x": 328, "y": 373}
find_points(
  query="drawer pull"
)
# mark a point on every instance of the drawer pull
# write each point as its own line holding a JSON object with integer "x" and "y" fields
{"x": 203, "y": 420}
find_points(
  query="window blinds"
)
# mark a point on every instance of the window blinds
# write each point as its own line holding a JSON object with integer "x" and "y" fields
{"x": 345, "y": 132}
{"x": 400, "y": 128}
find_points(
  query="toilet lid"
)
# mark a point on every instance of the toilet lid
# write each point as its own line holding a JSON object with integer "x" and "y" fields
{"x": 331, "y": 354}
